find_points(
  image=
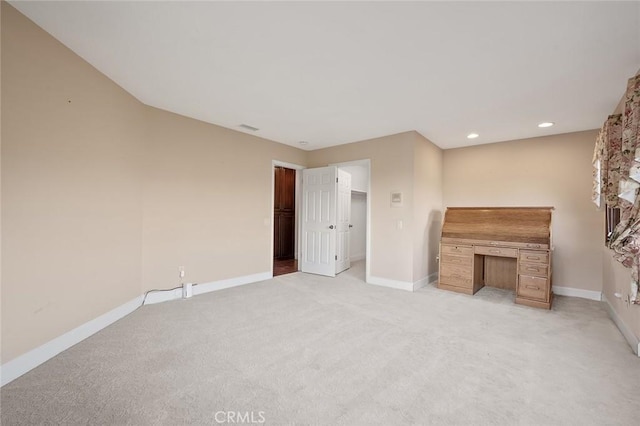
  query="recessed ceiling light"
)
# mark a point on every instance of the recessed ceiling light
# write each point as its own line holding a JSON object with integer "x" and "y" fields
{"x": 472, "y": 135}
{"x": 546, "y": 124}
{"x": 246, "y": 126}
{"x": 303, "y": 143}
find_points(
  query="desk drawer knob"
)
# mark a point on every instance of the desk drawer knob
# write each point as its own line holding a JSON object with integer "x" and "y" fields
{"x": 535, "y": 287}
{"x": 533, "y": 257}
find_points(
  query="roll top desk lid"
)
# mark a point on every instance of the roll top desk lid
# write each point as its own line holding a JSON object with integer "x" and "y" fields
{"x": 525, "y": 225}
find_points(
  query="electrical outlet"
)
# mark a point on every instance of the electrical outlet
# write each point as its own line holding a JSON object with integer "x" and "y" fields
{"x": 181, "y": 271}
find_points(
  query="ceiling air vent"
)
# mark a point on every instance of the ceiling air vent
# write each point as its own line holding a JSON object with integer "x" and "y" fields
{"x": 246, "y": 126}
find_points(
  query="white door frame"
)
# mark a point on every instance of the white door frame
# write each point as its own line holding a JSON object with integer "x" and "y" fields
{"x": 343, "y": 221}
{"x": 366, "y": 163}
{"x": 297, "y": 168}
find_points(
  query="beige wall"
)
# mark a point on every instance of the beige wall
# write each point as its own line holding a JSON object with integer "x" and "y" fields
{"x": 71, "y": 189}
{"x": 408, "y": 163}
{"x": 207, "y": 195}
{"x": 546, "y": 171}
{"x": 427, "y": 178}
{"x": 104, "y": 197}
{"x": 391, "y": 160}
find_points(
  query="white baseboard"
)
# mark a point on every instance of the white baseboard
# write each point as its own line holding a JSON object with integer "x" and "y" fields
{"x": 577, "y": 292}
{"x": 400, "y": 285}
{"x": 404, "y": 285}
{"x": 201, "y": 288}
{"x": 26, "y": 362}
{"x": 417, "y": 285}
{"x": 431, "y": 278}
{"x": 231, "y": 282}
{"x": 631, "y": 338}
{"x": 159, "y": 296}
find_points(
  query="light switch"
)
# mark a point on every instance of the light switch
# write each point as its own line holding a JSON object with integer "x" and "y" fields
{"x": 399, "y": 224}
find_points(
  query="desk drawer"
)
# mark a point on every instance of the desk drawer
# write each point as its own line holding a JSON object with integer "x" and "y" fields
{"x": 530, "y": 256}
{"x": 538, "y": 269}
{"x": 456, "y": 275}
{"x": 536, "y": 246}
{"x": 533, "y": 287}
{"x": 456, "y": 260}
{"x": 456, "y": 280}
{"x": 496, "y": 251}
{"x": 457, "y": 250}
{"x": 449, "y": 270}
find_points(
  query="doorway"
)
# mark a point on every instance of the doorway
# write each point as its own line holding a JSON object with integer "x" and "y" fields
{"x": 360, "y": 238}
{"x": 284, "y": 216}
{"x": 358, "y": 242}
{"x": 361, "y": 182}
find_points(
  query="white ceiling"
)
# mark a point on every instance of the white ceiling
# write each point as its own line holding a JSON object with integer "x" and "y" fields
{"x": 334, "y": 72}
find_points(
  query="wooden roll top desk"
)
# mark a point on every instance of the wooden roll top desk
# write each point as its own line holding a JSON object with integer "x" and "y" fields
{"x": 504, "y": 247}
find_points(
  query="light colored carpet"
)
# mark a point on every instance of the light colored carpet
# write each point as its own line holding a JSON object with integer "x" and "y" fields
{"x": 303, "y": 349}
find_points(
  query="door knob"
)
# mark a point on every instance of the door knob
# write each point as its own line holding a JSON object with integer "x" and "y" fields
{"x": 330, "y": 226}
{"x": 350, "y": 226}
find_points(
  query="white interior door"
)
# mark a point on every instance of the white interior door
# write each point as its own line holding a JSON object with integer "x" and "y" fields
{"x": 343, "y": 260}
{"x": 319, "y": 220}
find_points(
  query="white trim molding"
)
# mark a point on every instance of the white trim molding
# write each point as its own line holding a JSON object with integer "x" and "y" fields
{"x": 631, "y": 338}
{"x": 26, "y": 362}
{"x": 385, "y": 282}
{"x": 429, "y": 279}
{"x": 577, "y": 292}
{"x": 159, "y": 296}
{"x": 231, "y": 282}
{"x": 404, "y": 285}
{"x": 417, "y": 285}
{"x": 287, "y": 165}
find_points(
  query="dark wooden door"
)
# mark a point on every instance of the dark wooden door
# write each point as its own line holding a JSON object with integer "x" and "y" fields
{"x": 284, "y": 213}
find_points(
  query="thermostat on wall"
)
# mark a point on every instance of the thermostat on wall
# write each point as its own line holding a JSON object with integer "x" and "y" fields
{"x": 396, "y": 199}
